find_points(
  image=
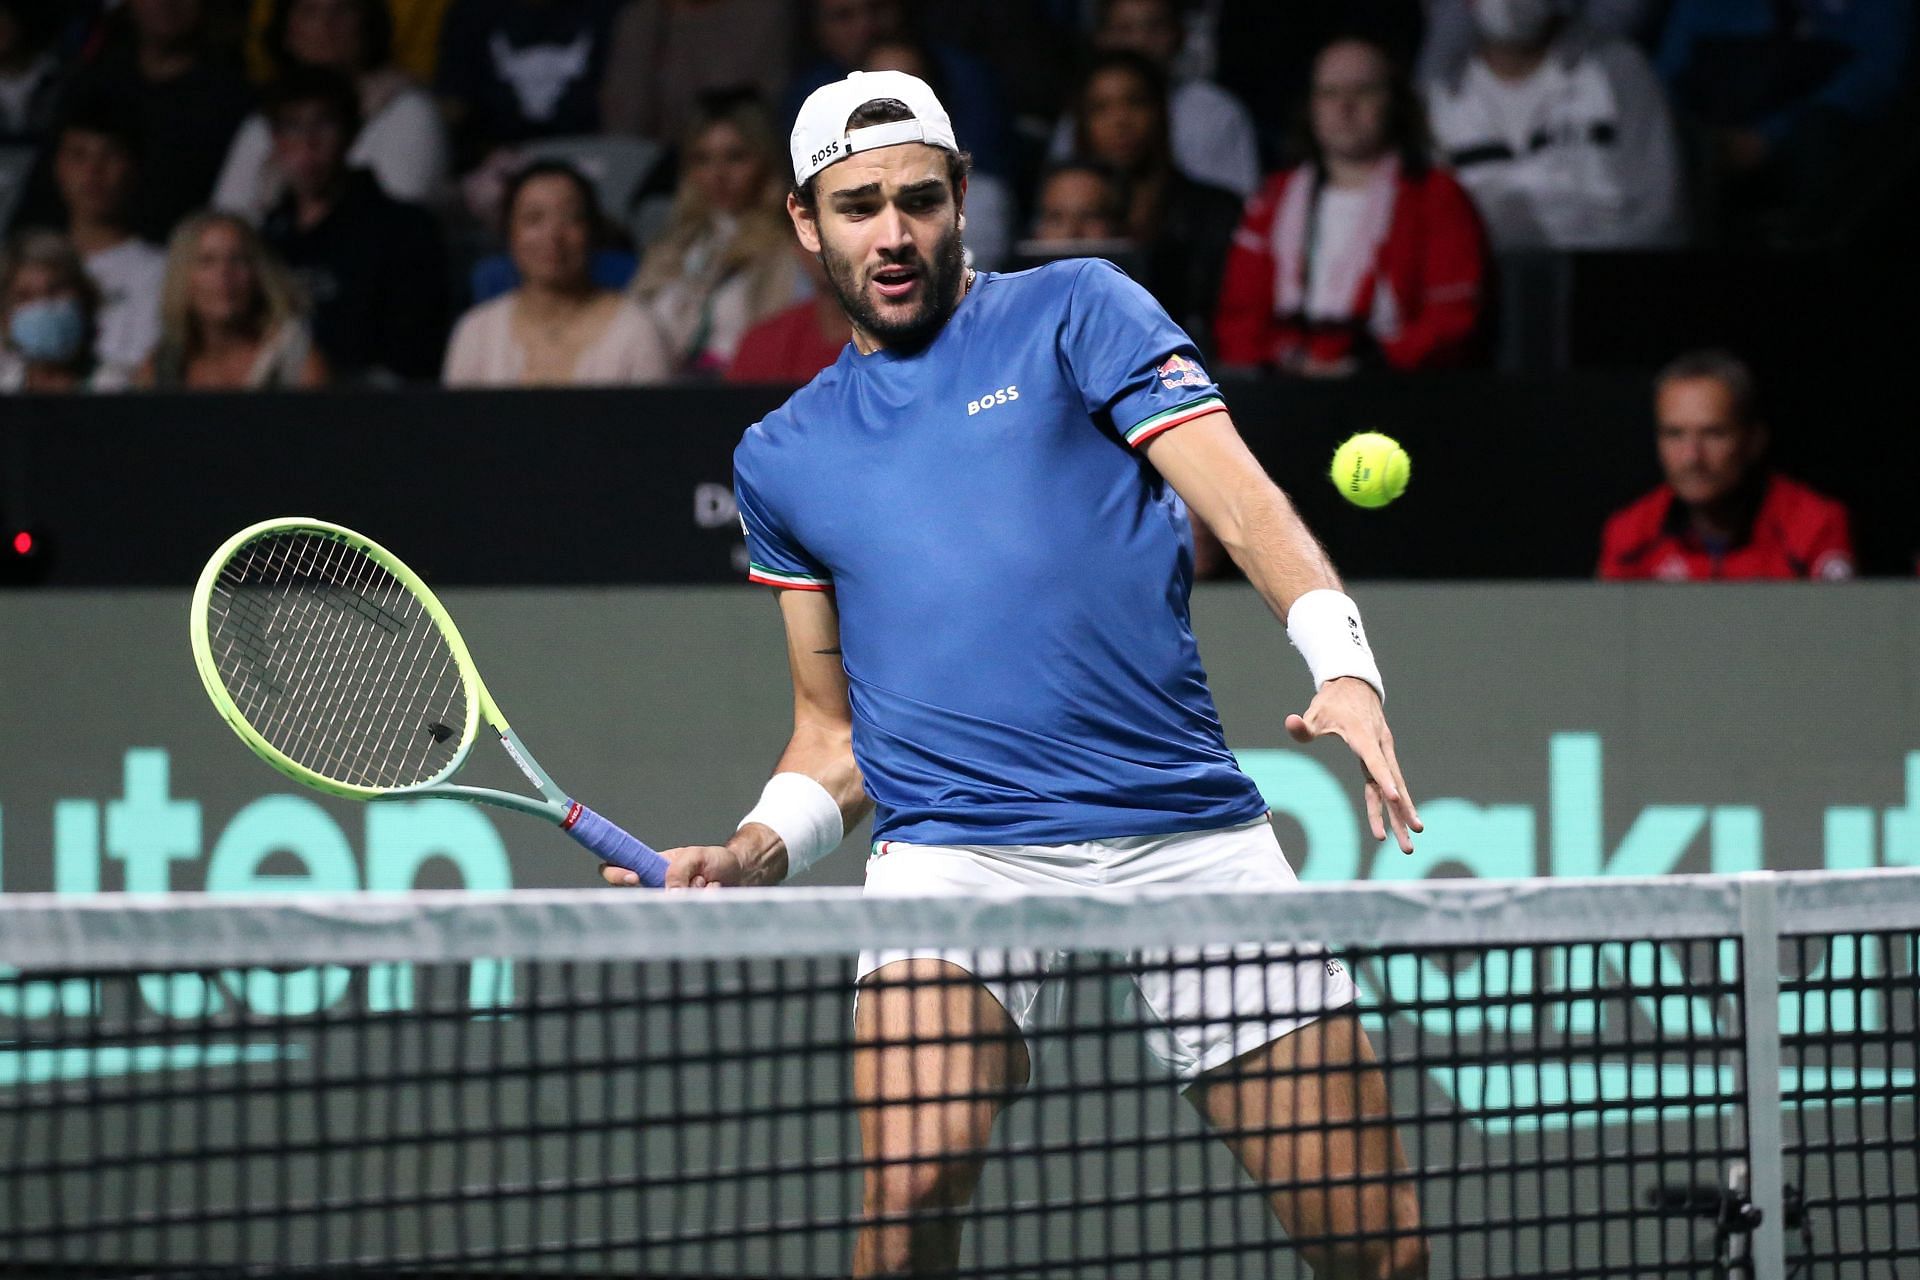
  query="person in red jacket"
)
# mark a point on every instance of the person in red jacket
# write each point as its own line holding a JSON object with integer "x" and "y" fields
{"x": 1721, "y": 513}
{"x": 1366, "y": 253}
{"x": 789, "y": 347}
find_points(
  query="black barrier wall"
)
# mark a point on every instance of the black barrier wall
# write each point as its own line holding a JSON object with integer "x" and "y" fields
{"x": 1512, "y": 478}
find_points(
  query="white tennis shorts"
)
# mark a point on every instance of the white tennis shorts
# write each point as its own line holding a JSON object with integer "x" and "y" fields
{"x": 1200, "y": 1012}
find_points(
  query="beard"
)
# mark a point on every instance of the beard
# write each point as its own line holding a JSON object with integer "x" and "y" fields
{"x": 936, "y": 298}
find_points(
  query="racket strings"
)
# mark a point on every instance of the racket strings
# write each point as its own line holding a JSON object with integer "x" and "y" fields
{"x": 387, "y": 669}
{"x": 361, "y": 672}
{"x": 335, "y": 662}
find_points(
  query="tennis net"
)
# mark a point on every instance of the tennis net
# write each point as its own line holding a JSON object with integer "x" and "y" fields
{"x": 1693, "y": 1076}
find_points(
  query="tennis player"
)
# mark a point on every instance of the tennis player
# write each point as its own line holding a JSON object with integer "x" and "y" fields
{"x": 974, "y": 521}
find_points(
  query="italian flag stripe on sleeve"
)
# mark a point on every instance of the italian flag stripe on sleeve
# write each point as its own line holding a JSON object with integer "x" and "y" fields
{"x": 1167, "y": 421}
{"x": 779, "y": 578}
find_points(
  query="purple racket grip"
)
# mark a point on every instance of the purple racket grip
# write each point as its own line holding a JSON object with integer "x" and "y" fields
{"x": 614, "y": 845}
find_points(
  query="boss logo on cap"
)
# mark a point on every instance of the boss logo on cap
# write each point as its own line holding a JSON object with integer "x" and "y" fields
{"x": 832, "y": 148}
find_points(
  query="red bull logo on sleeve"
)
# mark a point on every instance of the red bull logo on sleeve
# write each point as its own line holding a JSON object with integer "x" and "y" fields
{"x": 1179, "y": 372}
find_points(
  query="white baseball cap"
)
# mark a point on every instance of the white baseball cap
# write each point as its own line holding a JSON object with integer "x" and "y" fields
{"x": 820, "y": 134}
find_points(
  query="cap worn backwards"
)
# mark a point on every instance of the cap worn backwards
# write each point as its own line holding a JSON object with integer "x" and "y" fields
{"x": 820, "y": 134}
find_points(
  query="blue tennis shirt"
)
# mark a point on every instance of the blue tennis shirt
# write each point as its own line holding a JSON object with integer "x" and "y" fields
{"x": 1011, "y": 576}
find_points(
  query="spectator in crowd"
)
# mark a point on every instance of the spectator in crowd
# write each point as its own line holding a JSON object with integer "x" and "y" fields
{"x": 1366, "y": 253}
{"x": 186, "y": 94}
{"x": 513, "y": 70}
{"x": 990, "y": 201}
{"x": 791, "y": 346}
{"x": 1449, "y": 37}
{"x": 30, "y": 71}
{"x": 96, "y": 164}
{"x": 1788, "y": 90}
{"x": 401, "y": 141}
{"x": 1081, "y": 201}
{"x": 1262, "y": 51}
{"x": 1563, "y": 138}
{"x": 414, "y": 24}
{"x": 1213, "y": 135}
{"x": 668, "y": 54}
{"x": 844, "y": 34}
{"x": 230, "y": 315}
{"x": 375, "y": 269}
{"x": 1120, "y": 120}
{"x": 1721, "y": 512}
{"x": 48, "y": 304}
{"x": 557, "y": 327}
{"x": 722, "y": 263}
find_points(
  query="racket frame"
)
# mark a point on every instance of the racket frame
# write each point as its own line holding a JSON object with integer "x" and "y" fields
{"x": 552, "y": 803}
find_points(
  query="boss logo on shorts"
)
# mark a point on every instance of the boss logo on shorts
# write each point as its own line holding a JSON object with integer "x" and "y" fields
{"x": 1005, "y": 395}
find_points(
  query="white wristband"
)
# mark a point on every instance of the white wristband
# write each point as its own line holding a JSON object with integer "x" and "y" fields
{"x": 803, "y": 814}
{"x": 1324, "y": 626}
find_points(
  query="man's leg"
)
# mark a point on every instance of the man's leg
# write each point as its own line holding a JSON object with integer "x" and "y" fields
{"x": 1308, "y": 1115}
{"x": 935, "y": 1059}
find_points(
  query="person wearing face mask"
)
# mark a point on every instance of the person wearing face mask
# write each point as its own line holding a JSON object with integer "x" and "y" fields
{"x": 1562, "y": 137}
{"x": 47, "y": 309}
{"x": 1449, "y": 36}
{"x": 721, "y": 264}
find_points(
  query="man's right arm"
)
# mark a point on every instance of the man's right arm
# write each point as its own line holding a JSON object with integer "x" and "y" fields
{"x": 821, "y": 748}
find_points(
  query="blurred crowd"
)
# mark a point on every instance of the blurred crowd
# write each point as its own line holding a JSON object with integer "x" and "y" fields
{"x": 290, "y": 193}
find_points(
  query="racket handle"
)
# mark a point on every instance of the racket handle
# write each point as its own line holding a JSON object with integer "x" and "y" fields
{"x": 615, "y": 845}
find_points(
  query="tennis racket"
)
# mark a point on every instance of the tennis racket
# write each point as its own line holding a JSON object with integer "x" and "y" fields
{"x": 336, "y": 664}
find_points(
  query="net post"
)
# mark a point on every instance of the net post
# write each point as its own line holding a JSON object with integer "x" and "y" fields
{"x": 1760, "y": 1032}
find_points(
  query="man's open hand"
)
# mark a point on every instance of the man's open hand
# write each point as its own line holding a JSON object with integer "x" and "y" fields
{"x": 1350, "y": 710}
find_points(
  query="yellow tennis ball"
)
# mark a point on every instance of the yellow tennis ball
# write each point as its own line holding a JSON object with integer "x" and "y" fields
{"x": 1371, "y": 470}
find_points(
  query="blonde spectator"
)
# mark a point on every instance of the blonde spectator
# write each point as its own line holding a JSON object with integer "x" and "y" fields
{"x": 402, "y": 139}
{"x": 558, "y": 327}
{"x": 722, "y": 263}
{"x": 229, "y": 315}
{"x": 48, "y": 306}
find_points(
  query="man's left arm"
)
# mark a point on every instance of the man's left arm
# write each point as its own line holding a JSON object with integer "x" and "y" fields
{"x": 1214, "y": 472}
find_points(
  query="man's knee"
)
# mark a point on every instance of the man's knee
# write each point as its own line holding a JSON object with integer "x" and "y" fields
{"x": 922, "y": 1186}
